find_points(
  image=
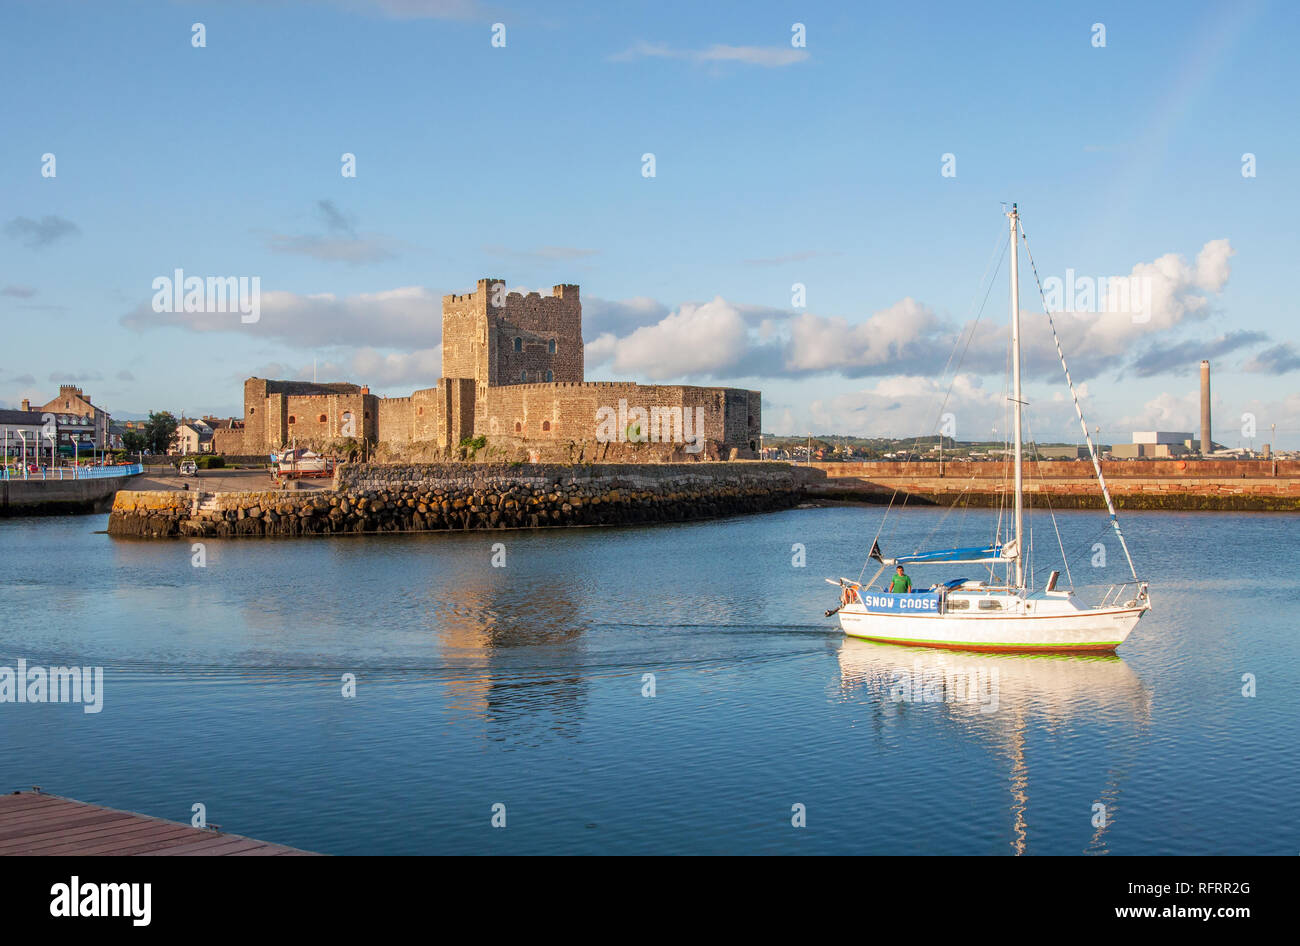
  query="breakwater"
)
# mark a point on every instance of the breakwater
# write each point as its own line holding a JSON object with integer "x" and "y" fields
{"x": 1211, "y": 485}
{"x": 370, "y": 498}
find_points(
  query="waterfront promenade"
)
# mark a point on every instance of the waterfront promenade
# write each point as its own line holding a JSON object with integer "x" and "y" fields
{"x": 62, "y": 490}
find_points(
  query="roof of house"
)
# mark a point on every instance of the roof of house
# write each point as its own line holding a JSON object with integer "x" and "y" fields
{"x": 21, "y": 417}
{"x": 224, "y": 423}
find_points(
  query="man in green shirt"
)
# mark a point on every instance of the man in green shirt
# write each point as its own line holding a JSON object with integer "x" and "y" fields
{"x": 900, "y": 583}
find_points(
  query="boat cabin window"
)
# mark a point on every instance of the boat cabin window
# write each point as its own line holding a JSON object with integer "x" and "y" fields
{"x": 990, "y": 604}
{"x": 958, "y": 604}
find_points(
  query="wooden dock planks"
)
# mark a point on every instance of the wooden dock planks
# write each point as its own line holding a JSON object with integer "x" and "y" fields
{"x": 36, "y": 824}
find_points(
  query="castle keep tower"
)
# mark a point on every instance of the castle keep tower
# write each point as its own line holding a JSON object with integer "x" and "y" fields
{"x": 499, "y": 338}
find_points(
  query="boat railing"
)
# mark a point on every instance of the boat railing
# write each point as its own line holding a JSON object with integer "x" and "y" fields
{"x": 1118, "y": 594}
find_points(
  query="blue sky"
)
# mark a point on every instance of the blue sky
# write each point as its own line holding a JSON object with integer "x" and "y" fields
{"x": 775, "y": 165}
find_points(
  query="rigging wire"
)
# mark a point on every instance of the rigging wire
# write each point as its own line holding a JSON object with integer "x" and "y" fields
{"x": 1092, "y": 450}
{"x": 1050, "y": 511}
{"x": 1002, "y": 244}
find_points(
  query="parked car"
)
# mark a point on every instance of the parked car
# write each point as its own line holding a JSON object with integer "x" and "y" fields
{"x": 189, "y": 468}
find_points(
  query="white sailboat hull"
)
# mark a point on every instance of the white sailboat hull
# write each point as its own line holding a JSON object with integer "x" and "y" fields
{"x": 1084, "y": 631}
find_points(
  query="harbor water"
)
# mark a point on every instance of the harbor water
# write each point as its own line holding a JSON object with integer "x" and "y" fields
{"x": 671, "y": 688}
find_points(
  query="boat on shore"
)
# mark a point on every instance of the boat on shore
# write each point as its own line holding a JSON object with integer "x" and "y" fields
{"x": 301, "y": 463}
{"x": 999, "y": 612}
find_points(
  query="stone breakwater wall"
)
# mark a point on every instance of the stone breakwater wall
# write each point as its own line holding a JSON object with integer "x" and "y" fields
{"x": 1255, "y": 494}
{"x": 370, "y": 498}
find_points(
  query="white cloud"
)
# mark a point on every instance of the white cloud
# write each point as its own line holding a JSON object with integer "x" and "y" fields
{"x": 418, "y": 368}
{"x": 601, "y": 316}
{"x": 418, "y": 9}
{"x": 753, "y": 55}
{"x": 1100, "y": 341}
{"x": 724, "y": 339}
{"x": 898, "y": 334}
{"x": 695, "y": 340}
{"x": 907, "y": 405}
{"x": 406, "y": 317}
{"x": 1212, "y": 269}
{"x": 765, "y": 56}
{"x": 1166, "y": 411}
{"x": 403, "y": 371}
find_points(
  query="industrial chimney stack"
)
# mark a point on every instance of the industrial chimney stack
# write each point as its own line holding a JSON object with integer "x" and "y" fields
{"x": 1207, "y": 445}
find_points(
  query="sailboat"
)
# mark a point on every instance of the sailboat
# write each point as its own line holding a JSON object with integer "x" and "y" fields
{"x": 998, "y": 614}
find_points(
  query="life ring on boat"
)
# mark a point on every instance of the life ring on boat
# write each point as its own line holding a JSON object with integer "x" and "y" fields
{"x": 849, "y": 596}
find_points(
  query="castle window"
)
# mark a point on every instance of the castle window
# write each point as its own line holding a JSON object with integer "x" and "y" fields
{"x": 518, "y": 427}
{"x": 252, "y": 410}
{"x": 523, "y": 375}
{"x": 550, "y": 346}
{"x": 292, "y": 419}
{"x": 419, "y": 410}
{"x": 550, "y": 376}
{"x": 546, "y": 425}
{"x": 367, "y": 415}
{"x": 519, "y": 343}
{"x": 322, "y": 418}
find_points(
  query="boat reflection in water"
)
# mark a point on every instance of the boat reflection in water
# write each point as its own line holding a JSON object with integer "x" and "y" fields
{"x": 998, "y": 699}
{"x": 511, "y": 658}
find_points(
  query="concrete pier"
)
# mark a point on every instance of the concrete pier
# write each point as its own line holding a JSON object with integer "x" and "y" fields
{"x": 55, "y": 497}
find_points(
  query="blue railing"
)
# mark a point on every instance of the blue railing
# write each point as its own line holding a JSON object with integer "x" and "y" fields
{"x": 71, "y": 472}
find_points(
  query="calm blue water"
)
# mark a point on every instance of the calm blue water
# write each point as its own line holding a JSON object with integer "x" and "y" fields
{"x": 523, "y": 686}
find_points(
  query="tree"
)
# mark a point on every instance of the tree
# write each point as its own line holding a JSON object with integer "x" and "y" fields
{"x": 134, "y": 442}
{"x": 159, "y": 430}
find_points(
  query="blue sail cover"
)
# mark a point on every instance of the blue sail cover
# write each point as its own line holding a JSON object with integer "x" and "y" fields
{"x": 970, "y": 555}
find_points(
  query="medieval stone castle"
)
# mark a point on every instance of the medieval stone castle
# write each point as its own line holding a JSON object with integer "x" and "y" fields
{"x": 512, "y": 370}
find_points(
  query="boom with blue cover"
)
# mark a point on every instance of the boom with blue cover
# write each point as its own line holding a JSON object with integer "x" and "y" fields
{"x": 971, "y": 555}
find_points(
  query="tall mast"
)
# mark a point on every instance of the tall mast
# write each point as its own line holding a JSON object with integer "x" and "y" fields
{"x": 1015, "y": 395}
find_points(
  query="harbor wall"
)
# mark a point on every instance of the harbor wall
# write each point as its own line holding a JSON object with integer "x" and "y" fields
{"x": 1212, "y": 485}
{"x": 1067, "y": 469}
{"x": 58, "y": 497}
{"x": 370, "y": 498}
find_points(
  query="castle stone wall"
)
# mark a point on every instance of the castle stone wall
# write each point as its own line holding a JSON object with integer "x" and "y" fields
{"x": 572, "y": 411}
